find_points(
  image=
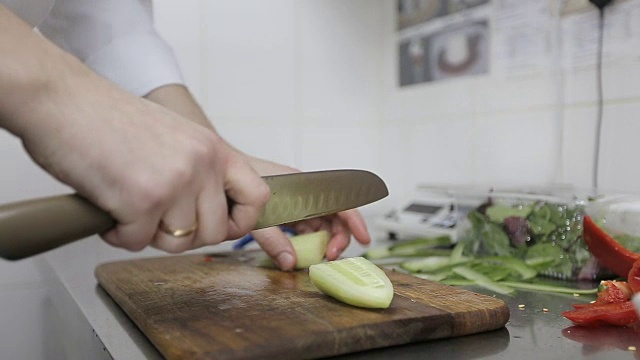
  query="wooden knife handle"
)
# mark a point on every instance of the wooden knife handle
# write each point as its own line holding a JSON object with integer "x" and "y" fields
{"x": 34, "y": 226}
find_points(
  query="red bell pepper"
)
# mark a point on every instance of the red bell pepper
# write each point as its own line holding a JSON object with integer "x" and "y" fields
{"x": 621, "y": 314}
{"x": 612, "y": 291}
{"x": 634, "y": 277}
{"x": 607, "y": 250}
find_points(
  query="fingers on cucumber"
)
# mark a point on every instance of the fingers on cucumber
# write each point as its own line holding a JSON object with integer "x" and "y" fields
{"x": 309, "y": 249}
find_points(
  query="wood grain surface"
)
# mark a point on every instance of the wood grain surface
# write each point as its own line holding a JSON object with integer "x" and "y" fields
{"x": 224, "y": 306}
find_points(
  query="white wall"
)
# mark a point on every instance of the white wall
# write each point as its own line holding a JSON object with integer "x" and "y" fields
{"x": 300, "y": 86}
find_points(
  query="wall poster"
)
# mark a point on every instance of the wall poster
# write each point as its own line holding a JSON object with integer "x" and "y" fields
{"x": 442, "y": 39}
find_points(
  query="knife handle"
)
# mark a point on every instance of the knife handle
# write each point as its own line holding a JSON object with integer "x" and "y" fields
{"x": 31, "y": 227}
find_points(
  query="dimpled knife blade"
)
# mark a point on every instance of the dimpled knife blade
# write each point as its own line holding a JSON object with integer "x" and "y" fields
{"x": 307, "y": 195}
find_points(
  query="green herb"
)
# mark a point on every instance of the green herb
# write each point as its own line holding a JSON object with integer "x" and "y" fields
{"x": 545, "y": 235}
{"x": 502, "y": 274}
{"x": 497, "y": 213}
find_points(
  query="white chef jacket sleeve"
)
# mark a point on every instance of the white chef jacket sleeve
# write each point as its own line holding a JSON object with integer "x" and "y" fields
{"x": 117, "y": 39}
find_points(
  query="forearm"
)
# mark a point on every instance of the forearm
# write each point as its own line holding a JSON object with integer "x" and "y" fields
{"x": 30, "y": 68}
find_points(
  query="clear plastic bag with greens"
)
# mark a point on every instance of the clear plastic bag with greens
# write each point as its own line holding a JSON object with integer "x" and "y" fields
{"x": 542, "y": 230}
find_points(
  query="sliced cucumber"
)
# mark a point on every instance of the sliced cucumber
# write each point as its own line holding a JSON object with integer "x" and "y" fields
{"x": 380, "y": 252}
{"x": 431, "y": 263}
{"x": 482, "y": 280}
{"x": 517, "y": 265}
{"x": 415, "y": 246}
{"x": 549, "y": 288}
{"x": 309, "y": 248}
{"x": 355, "y": 281}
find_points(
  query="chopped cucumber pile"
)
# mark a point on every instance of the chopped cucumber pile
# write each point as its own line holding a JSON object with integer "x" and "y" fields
{"x": 451, "y": 266}
{"x": 354, "y": 281}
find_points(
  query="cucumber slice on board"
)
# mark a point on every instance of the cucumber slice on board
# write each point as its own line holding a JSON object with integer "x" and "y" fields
{"x": 355, "y": 281}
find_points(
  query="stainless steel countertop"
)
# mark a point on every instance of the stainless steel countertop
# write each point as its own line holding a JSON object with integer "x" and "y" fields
{"x": 87, "y": 313}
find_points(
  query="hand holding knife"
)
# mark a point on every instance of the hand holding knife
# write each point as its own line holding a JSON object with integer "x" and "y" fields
{"x": 34, "y": 226}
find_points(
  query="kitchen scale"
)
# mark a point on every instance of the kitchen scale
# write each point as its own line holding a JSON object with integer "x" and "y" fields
{"x": 439, "y": 210}
{"x": 431, "y": 211}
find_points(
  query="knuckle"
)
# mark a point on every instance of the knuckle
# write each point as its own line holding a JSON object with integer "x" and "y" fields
{"x": 179, "y": 176}
{"x": 146, "y": 198}
{"x": 263, "y": 194}
{"x": 204, "y": 149}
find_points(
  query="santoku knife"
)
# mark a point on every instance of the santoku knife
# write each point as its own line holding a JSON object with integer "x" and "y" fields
{"x": 34, "y": 226}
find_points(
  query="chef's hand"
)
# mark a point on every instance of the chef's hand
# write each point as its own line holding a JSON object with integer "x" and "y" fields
{"x": 147, "y": 166}
{"x": 272, "y": 240}
{"x": 341, "y": 226}
{"x": 154, "y": 172}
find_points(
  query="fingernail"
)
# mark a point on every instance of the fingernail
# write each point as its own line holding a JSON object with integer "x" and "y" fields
{"x": 285, "y": 261}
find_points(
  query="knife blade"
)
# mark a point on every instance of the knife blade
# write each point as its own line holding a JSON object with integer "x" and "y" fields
{"x": 31, "y": 227}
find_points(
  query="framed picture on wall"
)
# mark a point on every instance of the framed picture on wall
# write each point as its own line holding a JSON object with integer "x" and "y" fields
{"x": 455, "y": 51}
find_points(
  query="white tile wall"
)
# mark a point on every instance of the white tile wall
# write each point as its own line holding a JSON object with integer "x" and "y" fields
{"x": 619, "y": 166}
{"x": 250, "y": 58}
{"x": 512, "y": 129}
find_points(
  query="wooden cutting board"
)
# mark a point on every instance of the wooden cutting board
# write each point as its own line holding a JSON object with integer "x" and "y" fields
{"x": 224, "y": 306}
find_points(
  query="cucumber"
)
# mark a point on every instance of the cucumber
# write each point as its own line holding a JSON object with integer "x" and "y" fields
{"x": 380, "y": 252}
{"x": 517, "y": 265}
{"x": 431, "y": 263}
{"x": 415, "y": 246}
{"x": 309, "y": 248}
{"x": 482, "y": 280}
{"x": 355, "y": 281}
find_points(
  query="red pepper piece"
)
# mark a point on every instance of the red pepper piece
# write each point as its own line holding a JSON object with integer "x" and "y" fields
{"x": 607, "y": 250}
{"x": 634, "y": 277}
{"x": 614, "y": 291}
{"x": 620, "y": 314}
{"x": 580, "y": 306}
{"x": 610, "y": 291}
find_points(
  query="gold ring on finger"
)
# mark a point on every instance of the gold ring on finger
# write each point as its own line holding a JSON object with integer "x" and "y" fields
{"x": 178, "y": 232}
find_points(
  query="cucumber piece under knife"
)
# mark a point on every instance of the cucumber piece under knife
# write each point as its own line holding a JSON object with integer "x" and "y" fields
{"x": 309, "y": 248}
